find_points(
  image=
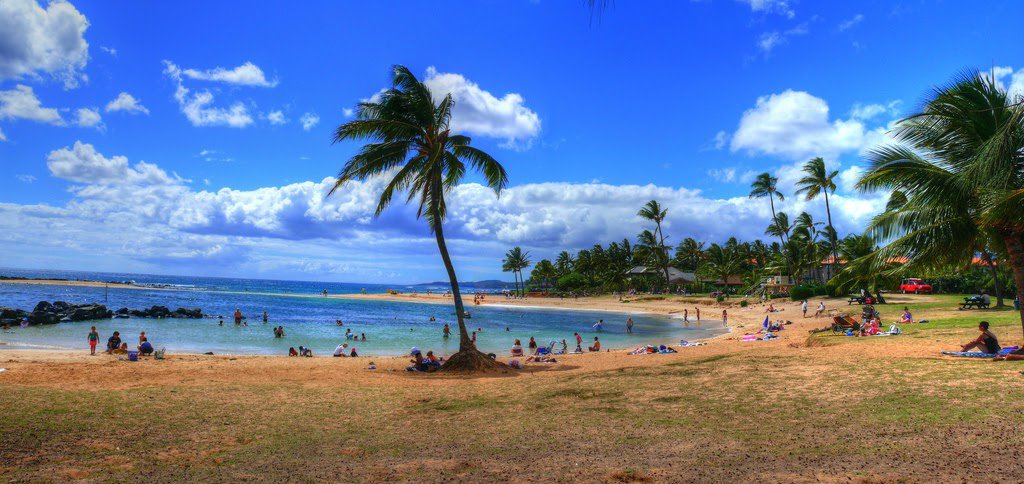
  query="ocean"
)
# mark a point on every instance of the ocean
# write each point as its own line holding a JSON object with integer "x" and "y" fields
{"x": 391, "y": 327}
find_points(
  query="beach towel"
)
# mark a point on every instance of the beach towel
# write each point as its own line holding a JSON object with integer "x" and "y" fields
{"x": 970, "y": 354}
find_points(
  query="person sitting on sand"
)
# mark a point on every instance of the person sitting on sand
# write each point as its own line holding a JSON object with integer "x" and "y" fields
{"x": 292, "y": 352}
{"x": 113, "y": 342}
{"x": 145, "y": 347}
{"x": 533, "y": 345}
{"x": 123, "y": 350}
{"x": 341, "y": 350}
{"x": 906, "y": 318}
{"x": 307, "y": 353}
{"x": 986, "y": 341}
{"x": 432, "y": 361}
{"x": 353, "y": 354}
{"x": 821, "y": 309}
{"x": 517, "y": 348}
{"x": 597, "y": 345}
{"x": 417, "y": 360}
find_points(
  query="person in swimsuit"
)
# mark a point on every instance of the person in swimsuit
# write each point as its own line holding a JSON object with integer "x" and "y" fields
{"x": 114, "y": 342}
{"x": 597, "y": 345}
{"x": 238, "y": 316}
{"x": 94, "y": 338}
{"x": 629, "y": 325}
{"x": 986, "y": 341}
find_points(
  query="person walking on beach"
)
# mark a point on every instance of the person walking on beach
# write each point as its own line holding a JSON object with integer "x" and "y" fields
{"x": 94, "y": 338}
{"x": 629, "y": 325}
{"x": 698, "y": 313}
{"x": 238, "y": 316}
{"x": 579, "y": 342}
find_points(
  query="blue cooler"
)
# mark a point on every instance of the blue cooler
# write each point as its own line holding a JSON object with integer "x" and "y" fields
{"x": 133, "y": 356}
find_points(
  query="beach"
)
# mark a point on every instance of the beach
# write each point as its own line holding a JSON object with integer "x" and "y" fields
{"x": 798, "y": 408}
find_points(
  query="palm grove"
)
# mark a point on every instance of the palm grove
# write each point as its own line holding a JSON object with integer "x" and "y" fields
{"x": 954, "y": 174}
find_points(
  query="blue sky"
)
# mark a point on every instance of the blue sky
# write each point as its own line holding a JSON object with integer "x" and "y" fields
{"x": 229, "y": 111}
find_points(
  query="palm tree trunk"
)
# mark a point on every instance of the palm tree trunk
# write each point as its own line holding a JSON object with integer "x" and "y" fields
{"x": 831, "y": 235}
{"x": 771, "y": 200}
{"x": 661, "y": 241}
{"x": 987, "y": 257}
{"x": 1015, "y": 253}
{"x": 465, "y": 344}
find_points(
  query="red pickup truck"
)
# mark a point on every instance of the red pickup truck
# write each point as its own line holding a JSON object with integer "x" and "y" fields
{"x": 915, "y": 285}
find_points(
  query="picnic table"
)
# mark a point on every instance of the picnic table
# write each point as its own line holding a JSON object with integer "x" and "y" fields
{"x": 976, "y": 302}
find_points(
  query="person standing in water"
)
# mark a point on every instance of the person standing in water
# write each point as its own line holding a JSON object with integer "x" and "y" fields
{"x": 264, "y": 315}
{"x": 447, "y": 331}
{"x": 686, "y": 315}
{"x": 238, "y": 316}
{"x": 629, "y": 325}
{"x": 599, "y": 325}
{"x": 725, "y": 318}
{"x": 94, "y": 338}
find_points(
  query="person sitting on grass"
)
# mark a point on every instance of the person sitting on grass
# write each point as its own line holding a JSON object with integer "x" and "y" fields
{"x": 597, "y": 345}
{"x": 906, "y": 318}
{"x": 1015, "y": 355}
{"x": 986, "y": 341}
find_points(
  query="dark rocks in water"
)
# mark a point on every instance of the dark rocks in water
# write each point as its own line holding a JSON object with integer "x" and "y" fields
{"x": 11, "y": 316}
{"x": 46, "y": 313}
{"x": 60, "y": 311}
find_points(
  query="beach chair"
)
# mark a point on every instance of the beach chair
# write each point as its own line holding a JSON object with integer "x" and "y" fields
{"x": 542, "y": 351}
{"x": 843, "y": 323}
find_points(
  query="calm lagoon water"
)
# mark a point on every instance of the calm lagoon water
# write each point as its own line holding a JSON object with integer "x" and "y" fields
{"x": 391, "y": 327}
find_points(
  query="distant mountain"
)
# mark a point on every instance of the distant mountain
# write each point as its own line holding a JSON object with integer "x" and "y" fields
{"x": 488, "y": 284}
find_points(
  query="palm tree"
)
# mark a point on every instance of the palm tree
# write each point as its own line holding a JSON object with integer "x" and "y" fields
{"x": 765, "y": 185}
{"x": 780, "y": 228}
{"x": 652, "y": 211}
{"x": 819, "y": 181}
{"x": 515, "y": 261}
{"x": 545, "y": 271}
{"x": 564, "y": 263}
{"x": 959, "y": 164}
{"x": 688, "y": 254}
{"x": 720, "y": 262}
{"x": 410, "y": 142}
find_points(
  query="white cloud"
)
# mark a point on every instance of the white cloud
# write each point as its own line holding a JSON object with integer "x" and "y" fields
{"x": 127, "y": 103}
{"x": 276, "y": 118}
{"x": 22, "y": 103}
{"x": 83, "y": 164}
{"x": 25, "y": 178}
{"x": 162, "y": 223}
{"x": 35, "y": 40}
{"x": 796, "y": 125}
{"x": 847, "y": 24}
{"x": 1007, "y": 78}
{"x": 198, "y": 107}
{"x": 3, "y": 137}
{"x": 309, "y": 120}
{"x": 89, "y": 118}
{"x": 247, "y": 74}
{"x": 110, "y": 50}
{"x": 780, "y": 7}
{"x": 721, "y": 139}
{"x": 770, "y": 40}
{"x": 348, "y": 112}
{"x": 479, "y": 112}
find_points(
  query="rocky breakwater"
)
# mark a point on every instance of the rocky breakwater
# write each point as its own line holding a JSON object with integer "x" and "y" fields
{"x": 61, "y": 312}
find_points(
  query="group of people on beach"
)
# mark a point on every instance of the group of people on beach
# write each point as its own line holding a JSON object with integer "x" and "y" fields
{"x": 116, "y": 346}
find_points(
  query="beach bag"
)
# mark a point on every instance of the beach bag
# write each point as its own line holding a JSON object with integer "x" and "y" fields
{"x": 159, "y": 354}
{"x": 895, "y": 330}
{"x": 133, "y": 355}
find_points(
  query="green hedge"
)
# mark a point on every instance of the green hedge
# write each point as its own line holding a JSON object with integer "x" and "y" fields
{"x": 807, "y": 291}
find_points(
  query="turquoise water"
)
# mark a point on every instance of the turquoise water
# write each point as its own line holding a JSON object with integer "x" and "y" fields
{"x": 391, "y": 327}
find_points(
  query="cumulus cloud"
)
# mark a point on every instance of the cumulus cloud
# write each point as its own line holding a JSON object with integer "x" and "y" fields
{"x": 796, "y": 125}
{"x": 126, "y": 103}
{"x": 36, "y": 40}
{"x": 82, "y": 163}
{"x": 198, "y": 106}
{"x": 276, "y": 118}
{"x": 89, "y": 118}
{"x": 247, "y": 74}
{"x": 22, "y": 103}
{"x": 479, "y": 112}
{"x": 309, "y": 120}
{"x": 1009, "y": 79}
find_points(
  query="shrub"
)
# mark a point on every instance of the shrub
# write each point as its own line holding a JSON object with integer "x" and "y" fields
{"x": 571, "y": 282}
{"x": 744, "y": 303}
{"x": 720, "y": 298}
{"x": 806, "y": 291}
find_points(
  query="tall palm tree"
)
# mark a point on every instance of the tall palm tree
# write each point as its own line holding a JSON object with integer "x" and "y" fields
{"x": 515, "y": 261}
{"x": 959, "y": 164}
{"x": 564, "y": 263}
{"x": 545, "y": 271}
{"x": 689, "y": 253}
{"x": 652, "y": 211}
{"x": 508, "y": 266}
{"x": 766, "y": 185}
{"x": 816, "y": 181}
{"x": 410, "y": 143}
{"x": 781, "y": 228}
